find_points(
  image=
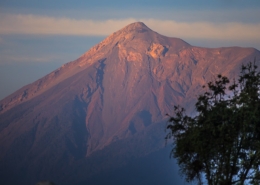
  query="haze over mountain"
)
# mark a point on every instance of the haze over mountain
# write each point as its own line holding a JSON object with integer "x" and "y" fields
{"x": 100, "y": 117}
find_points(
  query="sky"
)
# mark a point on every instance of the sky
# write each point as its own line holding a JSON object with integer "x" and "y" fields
{"x": 37, "y": 37}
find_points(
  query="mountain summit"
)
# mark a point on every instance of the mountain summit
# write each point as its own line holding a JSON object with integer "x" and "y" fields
{"x": 136, "y": 27}
{"x": 101, "y": 115}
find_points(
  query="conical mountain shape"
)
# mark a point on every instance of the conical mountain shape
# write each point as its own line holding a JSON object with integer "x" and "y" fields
{"x": 103, "y": 114}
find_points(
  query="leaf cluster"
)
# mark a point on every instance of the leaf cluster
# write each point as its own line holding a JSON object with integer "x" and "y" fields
{"x": 222, "y": 143}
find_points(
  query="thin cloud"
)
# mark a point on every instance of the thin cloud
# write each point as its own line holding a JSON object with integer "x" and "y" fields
{"x": 206, "y": 30}
{"x": 44, "y": 25}
{"x": 5, "y": 59}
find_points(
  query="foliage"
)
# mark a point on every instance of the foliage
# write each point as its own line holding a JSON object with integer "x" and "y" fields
{"x": 222, "y": 143}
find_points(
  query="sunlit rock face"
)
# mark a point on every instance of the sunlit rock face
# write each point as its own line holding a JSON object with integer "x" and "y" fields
{"x": 104, "y": 113}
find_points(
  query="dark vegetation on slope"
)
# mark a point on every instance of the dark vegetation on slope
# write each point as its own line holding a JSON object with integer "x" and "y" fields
{"x": 221, "y": 145}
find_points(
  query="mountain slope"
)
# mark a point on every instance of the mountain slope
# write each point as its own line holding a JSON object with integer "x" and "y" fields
{"x": 106, "y": 109}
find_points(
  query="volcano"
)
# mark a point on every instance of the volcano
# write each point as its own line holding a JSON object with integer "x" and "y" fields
{"x": 101, "y": 118}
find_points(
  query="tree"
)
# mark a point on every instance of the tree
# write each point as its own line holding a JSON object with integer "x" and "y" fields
{"x": 221, "y": 144}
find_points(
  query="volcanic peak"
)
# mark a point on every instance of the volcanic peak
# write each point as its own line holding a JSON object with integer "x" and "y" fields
{"x": 136, "y": 27}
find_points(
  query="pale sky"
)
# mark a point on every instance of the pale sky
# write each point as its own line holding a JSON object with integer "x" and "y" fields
{"x": 36, "y": 37}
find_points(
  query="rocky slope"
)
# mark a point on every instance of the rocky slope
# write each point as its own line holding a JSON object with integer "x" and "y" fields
{"x": 106, "y": 109}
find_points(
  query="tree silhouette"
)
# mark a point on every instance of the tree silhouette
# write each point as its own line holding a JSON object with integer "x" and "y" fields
{"x": 221, "y": 144}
